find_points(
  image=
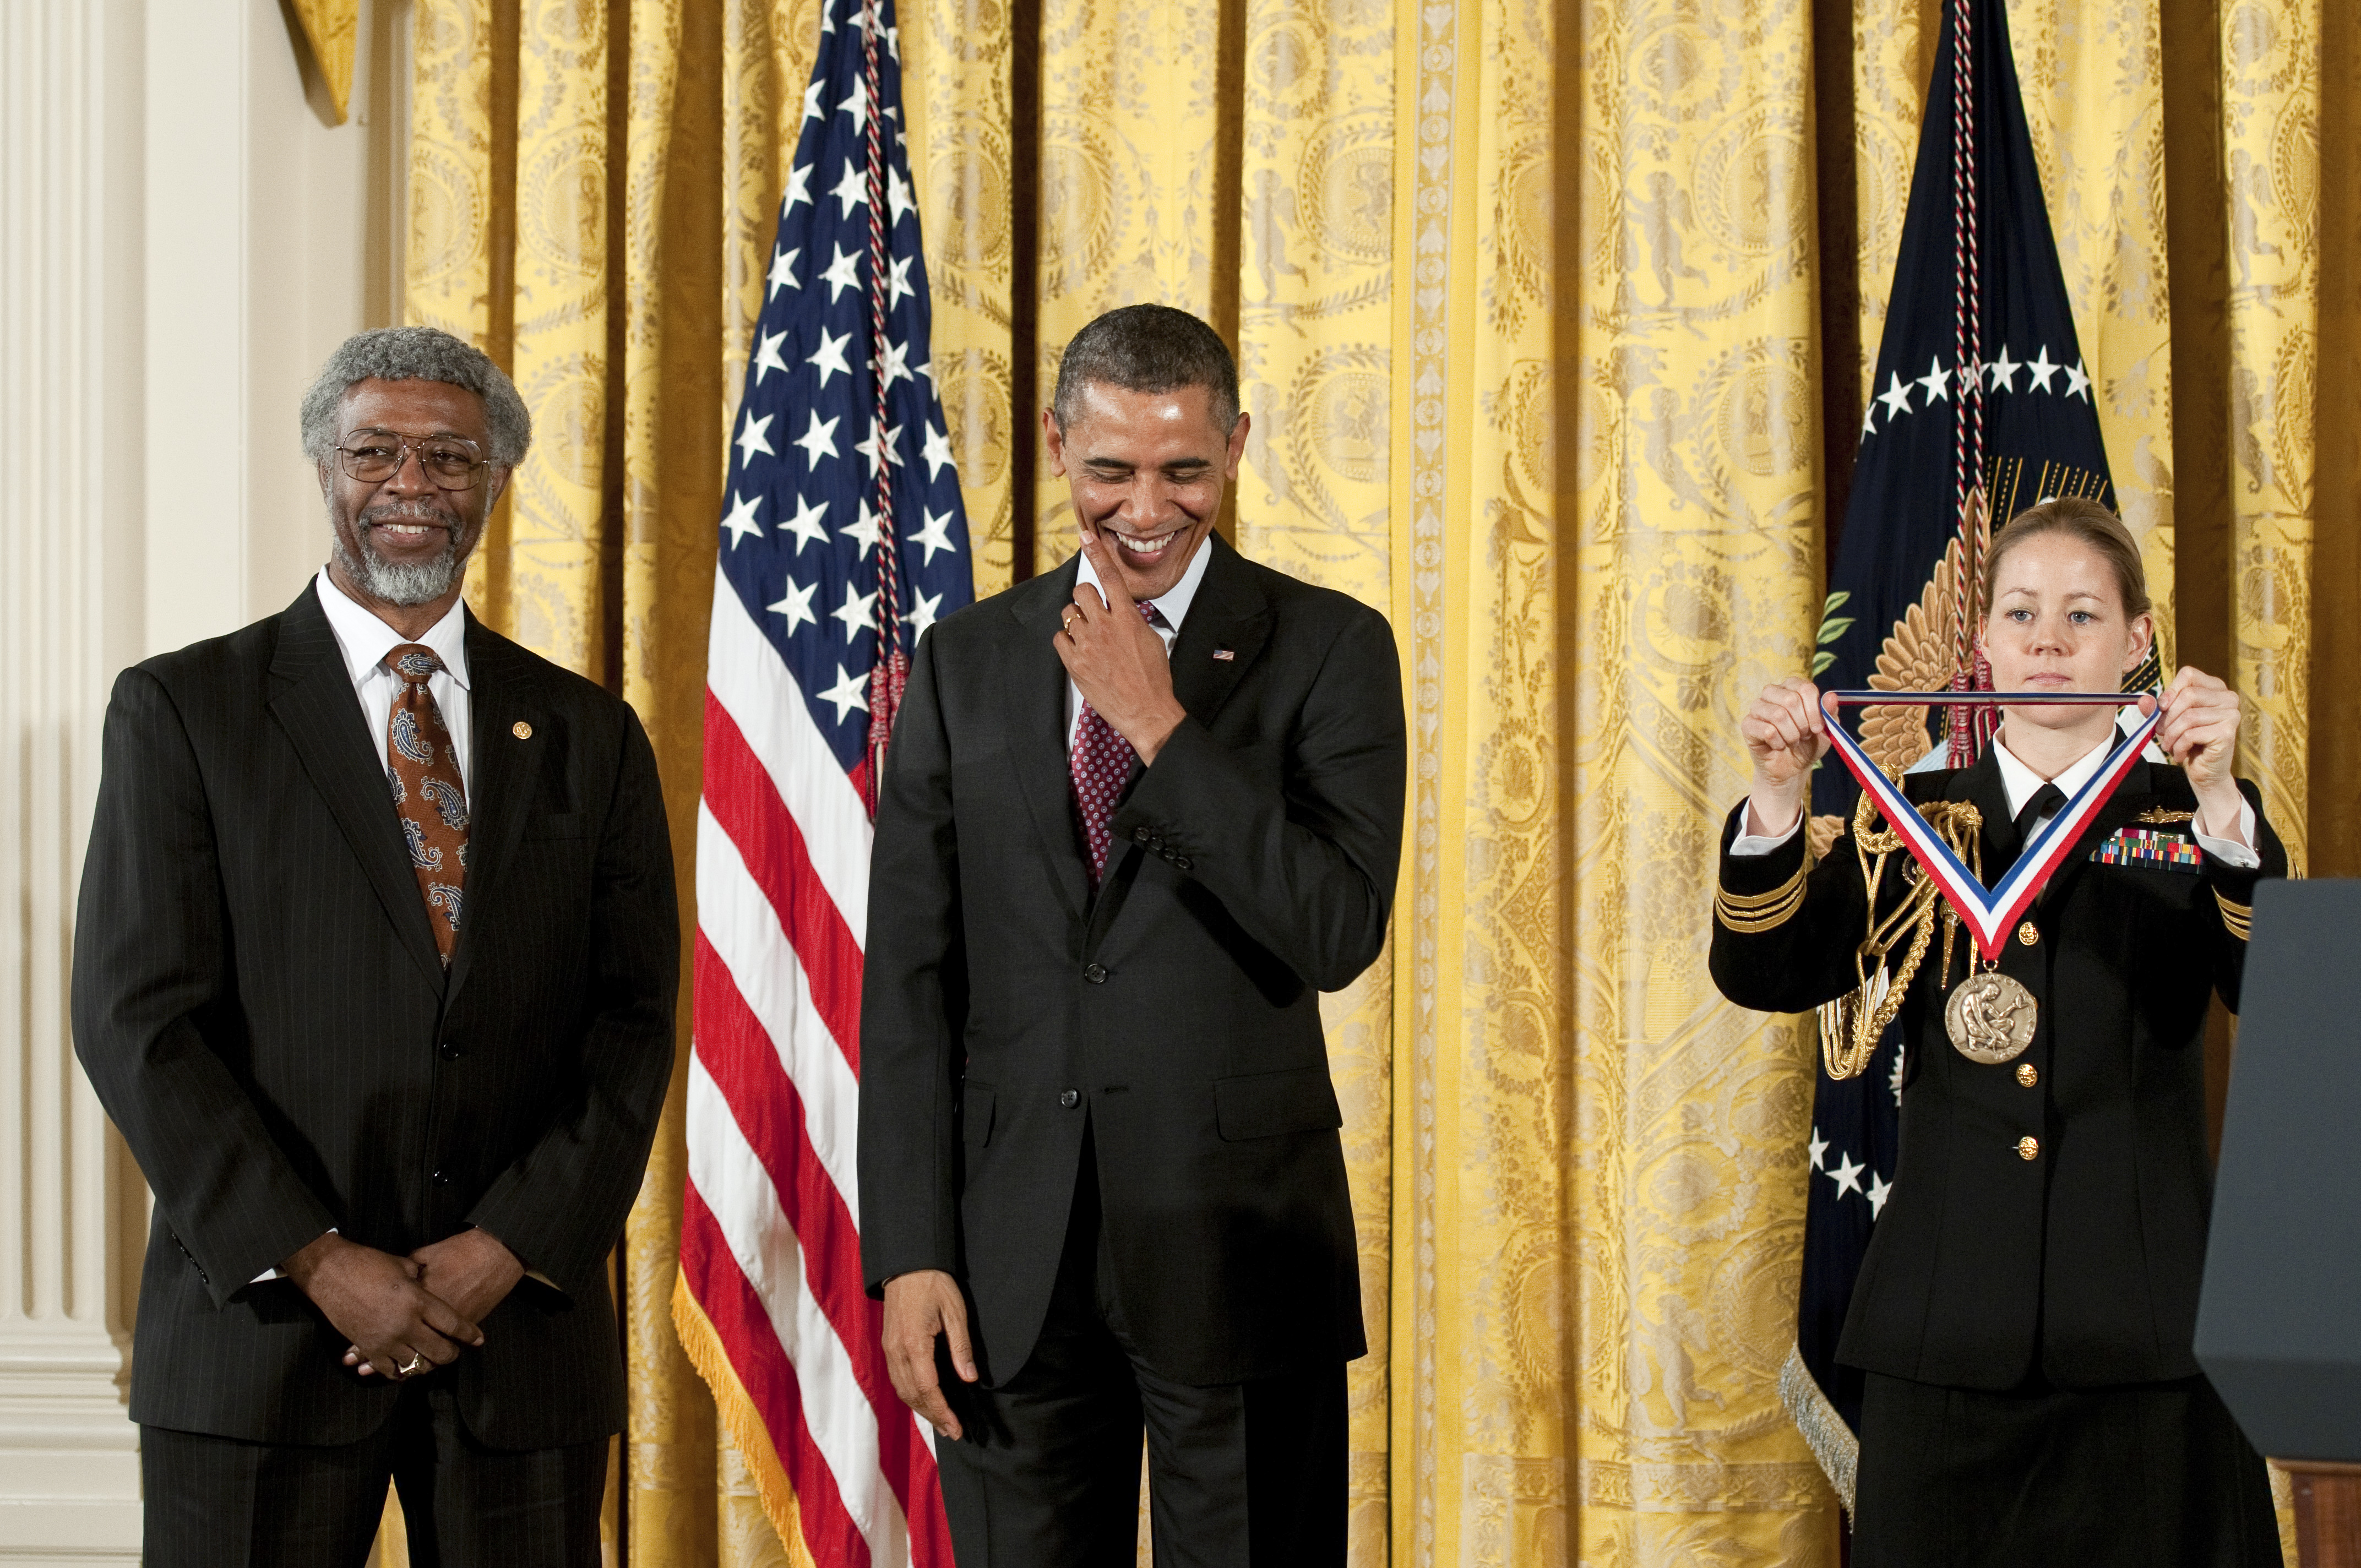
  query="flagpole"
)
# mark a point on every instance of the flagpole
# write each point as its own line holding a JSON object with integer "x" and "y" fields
{"x": 892, "y": 672}
{"x": 1968, "y": 726}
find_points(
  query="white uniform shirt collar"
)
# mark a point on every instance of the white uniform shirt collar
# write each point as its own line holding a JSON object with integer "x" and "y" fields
{"x": 2021, "y": 782}
{"x": 365, "y": 640}
{"x": 1174, "y": 605}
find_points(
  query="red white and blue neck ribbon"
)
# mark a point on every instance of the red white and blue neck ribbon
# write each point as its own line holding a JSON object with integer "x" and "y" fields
{"x": 1990, "y": 912}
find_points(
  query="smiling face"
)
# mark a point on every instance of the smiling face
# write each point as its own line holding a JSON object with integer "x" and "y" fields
{"x": 403, "y": 542}
{"x": 1145, "y": 471}
{"x": 2057, "y": 623}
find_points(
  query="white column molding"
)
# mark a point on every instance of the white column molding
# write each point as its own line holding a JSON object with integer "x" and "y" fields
{"x": 71, "y": 79}
{"x": 184, "y": 239}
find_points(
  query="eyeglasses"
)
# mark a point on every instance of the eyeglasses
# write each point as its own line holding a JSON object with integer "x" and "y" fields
{"x": 373, "y": 456}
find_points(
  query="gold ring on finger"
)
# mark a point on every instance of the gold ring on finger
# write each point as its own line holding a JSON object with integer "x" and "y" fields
{"x": 413, "y": 1365}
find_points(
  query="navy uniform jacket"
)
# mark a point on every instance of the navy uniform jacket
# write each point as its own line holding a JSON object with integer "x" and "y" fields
{"x": 2089, "y": 1254}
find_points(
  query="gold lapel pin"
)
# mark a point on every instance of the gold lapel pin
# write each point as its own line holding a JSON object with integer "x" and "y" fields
{"x": 521, "y": 729}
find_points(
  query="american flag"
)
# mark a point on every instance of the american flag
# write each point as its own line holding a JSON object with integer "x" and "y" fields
{"x": 843, "y": 538}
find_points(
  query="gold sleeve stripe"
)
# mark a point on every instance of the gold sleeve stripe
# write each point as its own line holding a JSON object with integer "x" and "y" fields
{"x": 1751, "y": 914}
{"x": 2238, "y": 919}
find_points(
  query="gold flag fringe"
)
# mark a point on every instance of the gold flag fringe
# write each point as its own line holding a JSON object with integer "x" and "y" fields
{"x": 741, "y": 1421}
{"x": 1825, "y": 1433}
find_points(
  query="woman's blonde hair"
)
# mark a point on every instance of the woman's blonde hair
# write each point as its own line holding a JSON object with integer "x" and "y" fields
{"x": 2086, "y": 521}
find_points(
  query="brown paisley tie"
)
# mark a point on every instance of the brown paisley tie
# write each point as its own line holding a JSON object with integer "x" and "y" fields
{"x": 428, "y": 795}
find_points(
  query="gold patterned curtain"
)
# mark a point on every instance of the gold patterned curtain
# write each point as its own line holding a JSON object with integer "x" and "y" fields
{"x": 1555, "y": 322}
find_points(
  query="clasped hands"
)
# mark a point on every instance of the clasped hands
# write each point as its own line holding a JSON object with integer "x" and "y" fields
{"x": 409, "y": 1314}
{"x": 1116, "y": 658}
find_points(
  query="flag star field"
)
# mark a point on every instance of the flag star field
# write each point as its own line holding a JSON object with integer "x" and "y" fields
{"x": 799, "y": 530}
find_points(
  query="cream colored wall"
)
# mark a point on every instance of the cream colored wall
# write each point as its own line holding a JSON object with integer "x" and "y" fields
{"x": 184, "y": 239}
{"x": 261, "y": 221}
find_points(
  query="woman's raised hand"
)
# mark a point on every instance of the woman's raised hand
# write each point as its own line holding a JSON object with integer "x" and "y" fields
{"x": 1785, "y": 731}
{"x": 2200, "y": 732}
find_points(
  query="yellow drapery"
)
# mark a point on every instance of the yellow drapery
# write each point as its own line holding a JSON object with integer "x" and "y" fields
{"x": 1532, "y": 304}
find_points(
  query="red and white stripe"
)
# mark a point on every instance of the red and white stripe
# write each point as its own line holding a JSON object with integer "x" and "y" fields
{"x": 769, "y": 1230}
{"x": 1989, "y": 912}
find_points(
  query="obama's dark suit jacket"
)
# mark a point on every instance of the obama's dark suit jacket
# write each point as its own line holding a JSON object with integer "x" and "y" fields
{"x": 1253, "y": 867}
{"x": 2088, "y": 1255}
{"x": 258, "y": 1002}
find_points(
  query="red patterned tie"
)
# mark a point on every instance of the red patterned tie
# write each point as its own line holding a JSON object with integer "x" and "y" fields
{"x": 427, "y": 794}
{"x": 1099, "y": 763}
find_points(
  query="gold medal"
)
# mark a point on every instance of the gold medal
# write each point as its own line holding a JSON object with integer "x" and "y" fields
{"x": 1990, "y": 1018}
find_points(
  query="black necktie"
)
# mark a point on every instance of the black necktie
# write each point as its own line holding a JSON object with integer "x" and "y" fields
{"x": 2047, "y": 800}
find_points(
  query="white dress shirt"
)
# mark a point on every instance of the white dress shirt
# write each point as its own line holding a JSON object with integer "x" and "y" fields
{"x": 1172, "y": 609}
{"x": 366, "y": 640}
{"x": 2020, "y": 783}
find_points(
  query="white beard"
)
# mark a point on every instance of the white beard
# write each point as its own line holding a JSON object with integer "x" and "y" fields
{"x": 404, "y": 584}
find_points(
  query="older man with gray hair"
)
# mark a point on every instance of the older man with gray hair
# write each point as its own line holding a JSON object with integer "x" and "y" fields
{"x": 375, "y": 969}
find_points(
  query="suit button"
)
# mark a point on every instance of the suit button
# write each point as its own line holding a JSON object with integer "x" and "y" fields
{"x": 441, "y": 1178}
{"x": 1139, "y": 835}
{"x": 452, "y": 1051}
{"x": 1070, "y": 1098}
{"x": 1094, "y": 973}
{"x": 2027, "y": 1074}
{"x": 1181, "y": 862}
{"x": 2028, "y": 933}
{"x": 2028, "y": 1148}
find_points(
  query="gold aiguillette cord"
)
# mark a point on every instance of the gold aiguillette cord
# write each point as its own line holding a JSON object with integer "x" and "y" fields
{"x": 1852, "y": 1026}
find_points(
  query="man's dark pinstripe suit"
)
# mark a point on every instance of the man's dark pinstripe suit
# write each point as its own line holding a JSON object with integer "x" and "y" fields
{"x": 258, "y": 1002}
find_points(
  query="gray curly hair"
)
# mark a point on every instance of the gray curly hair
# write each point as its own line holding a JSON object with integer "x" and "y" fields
{"x": 417, "y": 354}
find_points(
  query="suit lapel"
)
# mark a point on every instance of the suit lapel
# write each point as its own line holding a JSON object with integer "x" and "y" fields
{"x": 1036, "y": 714}
{"x": 315, "y": 705}
{"x": 504, "y": 763}
{"x": 1229, "y": 616}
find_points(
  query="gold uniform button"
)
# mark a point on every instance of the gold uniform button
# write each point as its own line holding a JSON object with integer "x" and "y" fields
{"x": 2027, "y": 1074}
{"x": 523, "y": 731}
{"x": 2028, "y": 1148}
{"x": 2027, "y": 935}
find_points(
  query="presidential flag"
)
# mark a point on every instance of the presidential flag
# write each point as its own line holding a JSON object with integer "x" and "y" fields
{"x": 1982, "y": 405}
{"x": 843, "y": 540}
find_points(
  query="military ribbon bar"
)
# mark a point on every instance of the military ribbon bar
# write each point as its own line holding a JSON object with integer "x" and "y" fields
{"x": 1991, "y": 912}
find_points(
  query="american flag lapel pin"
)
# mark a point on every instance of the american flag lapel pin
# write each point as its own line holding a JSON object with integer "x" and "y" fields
{"x": 1224, "y": 655}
